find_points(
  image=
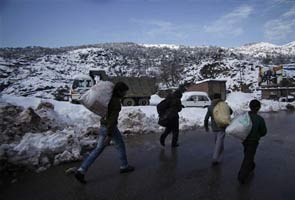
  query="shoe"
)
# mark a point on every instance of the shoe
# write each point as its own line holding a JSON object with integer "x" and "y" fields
{"x": 174, "y": 145}
{"x": 253, "y": 167}
{"x": 80, "y": 177}
{"x": 162, "y": 141}
{"x": 127, "y": 169}
{"x": 242, "y": 181}
{"x": 214, "y": 163}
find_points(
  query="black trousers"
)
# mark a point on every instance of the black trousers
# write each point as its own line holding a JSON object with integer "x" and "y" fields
{"x": 248, "y": 163}
{"x": 173, "y": 126}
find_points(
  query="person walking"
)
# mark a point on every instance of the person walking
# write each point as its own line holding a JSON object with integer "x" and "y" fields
{"x": 173, "y": 108}
{"x": 109, "y": 131}
{"x": 250, "y": 144}
{"x": 219, "y": 132}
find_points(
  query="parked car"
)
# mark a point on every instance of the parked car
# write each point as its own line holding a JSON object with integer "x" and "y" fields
{"x": 195, "y": 99}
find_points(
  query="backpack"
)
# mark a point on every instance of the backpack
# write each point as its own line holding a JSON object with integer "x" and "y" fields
{"x": 163, "y": 106}
{"x": 162, "y": 111}
{"x": 221, "y": 114}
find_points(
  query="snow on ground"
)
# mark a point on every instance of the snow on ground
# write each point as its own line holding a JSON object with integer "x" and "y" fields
{"x": 239, "y": 102}
{"x": 73, "y": 114}
{"x": 145, "y": 117}
{"x": 41, "y": 150}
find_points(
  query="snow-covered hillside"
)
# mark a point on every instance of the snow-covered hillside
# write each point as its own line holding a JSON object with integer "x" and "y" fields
{"x": 47, "y": 73}
{"x": 264, "y": 49}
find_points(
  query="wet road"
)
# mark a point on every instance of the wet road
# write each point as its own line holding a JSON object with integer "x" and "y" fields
{"x": 184, "y": 173}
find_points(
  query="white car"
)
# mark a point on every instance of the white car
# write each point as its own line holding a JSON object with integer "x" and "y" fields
{"x": 195, "y": 99}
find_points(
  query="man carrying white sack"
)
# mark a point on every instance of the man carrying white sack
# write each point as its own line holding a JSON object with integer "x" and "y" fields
{"x": 109, "y": 131}
{"x": 251, "y": 142}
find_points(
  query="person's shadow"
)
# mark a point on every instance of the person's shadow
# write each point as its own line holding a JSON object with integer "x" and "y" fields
{"x": 166, "y": 173}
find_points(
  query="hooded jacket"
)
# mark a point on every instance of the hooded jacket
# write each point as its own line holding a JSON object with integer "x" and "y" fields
{"x": 175, "y": 105}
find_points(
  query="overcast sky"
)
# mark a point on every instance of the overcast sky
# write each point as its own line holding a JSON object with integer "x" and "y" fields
{"x": 227, "y": 23}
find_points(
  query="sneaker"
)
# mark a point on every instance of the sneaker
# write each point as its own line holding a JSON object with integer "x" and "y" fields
{"x": 80, "y": 177}
{"x": 127, "y": 169}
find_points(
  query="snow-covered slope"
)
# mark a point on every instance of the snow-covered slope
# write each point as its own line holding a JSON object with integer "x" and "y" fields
{"x": 263, "y": 49}
{"x": 46, "y": 73}
{"x": 171, "y": 46}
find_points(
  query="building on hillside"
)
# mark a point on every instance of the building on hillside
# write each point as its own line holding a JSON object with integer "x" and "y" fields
{"x": 210, "y": 86}
{"x": 277, "y": 82}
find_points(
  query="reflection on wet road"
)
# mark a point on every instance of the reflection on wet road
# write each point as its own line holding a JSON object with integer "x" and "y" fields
{"x": 182, "y": 173}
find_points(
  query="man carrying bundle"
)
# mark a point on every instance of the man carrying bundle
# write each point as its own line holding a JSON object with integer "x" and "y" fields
{"x": 109, "y": 131}
{"x": 251, "y": 142}
{"x": 219, "y": 112}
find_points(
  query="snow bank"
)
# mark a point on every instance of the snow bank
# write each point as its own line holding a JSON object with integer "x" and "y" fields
{"x": 239, "y": 102}
{"x": 140, "y": 119}
{"x": 42, "y": 150}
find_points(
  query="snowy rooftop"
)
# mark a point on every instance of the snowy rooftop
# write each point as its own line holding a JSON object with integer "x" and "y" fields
{"x": 208, "y": 80}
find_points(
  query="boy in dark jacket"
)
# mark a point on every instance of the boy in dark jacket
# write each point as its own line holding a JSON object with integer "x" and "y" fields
{"x": 251, "y": 142}
{"x": 218, "y": 132}
{"x": 174, "y": 107}
{"x": 108, "y": 132}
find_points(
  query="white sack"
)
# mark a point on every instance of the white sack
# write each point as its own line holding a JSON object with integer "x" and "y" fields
{"x": 240, "y": 127}
{"x": 97, "y": 98}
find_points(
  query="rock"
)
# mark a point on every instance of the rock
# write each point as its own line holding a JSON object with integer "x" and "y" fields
{"x": 28, "y": 116}
{"x": 94, "y": 131}
{"x": 44, "y": 161}
{"x": 50, "y": 119}
{"x": 9, "y": 131}
{"x": 45, "y": 105}
{"x": 30, "y": 121}
{"x": 70, "y": 170}
{"x": 41, "y": 169}
{"x": 66, "y": 156}
{"x": 61, "y": 93}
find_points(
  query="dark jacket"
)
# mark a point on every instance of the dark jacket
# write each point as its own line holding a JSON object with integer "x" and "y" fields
{"x": 209, "y": 114}
{"x": 175, "y": 105}
{"x": 110, "y": 121}
{"x": 258, "y": 128}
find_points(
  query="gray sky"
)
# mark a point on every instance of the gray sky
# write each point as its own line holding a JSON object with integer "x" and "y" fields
{"x": 227, "y": 23}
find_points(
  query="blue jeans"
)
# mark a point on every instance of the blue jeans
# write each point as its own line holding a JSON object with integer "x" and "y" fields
{"x": 120, "y": 145}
